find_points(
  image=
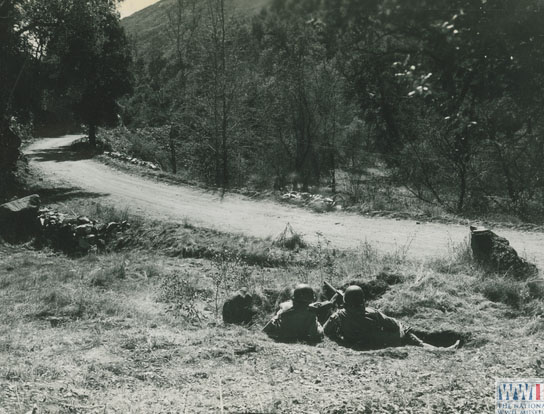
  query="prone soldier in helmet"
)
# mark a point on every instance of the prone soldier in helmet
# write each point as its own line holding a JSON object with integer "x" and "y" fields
{"x": 368, "y": 328}
{"x": 296, "y": 321}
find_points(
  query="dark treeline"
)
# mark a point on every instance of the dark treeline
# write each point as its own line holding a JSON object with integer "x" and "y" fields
{"x": 446, "y": 93}
{"x": 62, "y": 63}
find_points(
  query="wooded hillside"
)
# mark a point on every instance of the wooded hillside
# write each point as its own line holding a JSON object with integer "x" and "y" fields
{"x": 445, "y": 98}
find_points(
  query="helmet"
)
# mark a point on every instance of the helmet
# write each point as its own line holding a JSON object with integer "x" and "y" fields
{"x": 303, "y": 293}
{"x": 354, "y": 296}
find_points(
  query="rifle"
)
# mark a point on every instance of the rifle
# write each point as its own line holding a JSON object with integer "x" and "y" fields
{"x": 324, "y": 310}
{"x": 335, "y": 292}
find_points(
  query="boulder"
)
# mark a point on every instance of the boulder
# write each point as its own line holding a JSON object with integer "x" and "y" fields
{"x": 84, "y": 229}
{"x": 19, "y": 218}
{"x": 495, "y": 253}
{"x": 29, "y": 205}
{"x": 239, "y": 308}
{"x": 83, "y": 220}
{"x": 112, "y": 227}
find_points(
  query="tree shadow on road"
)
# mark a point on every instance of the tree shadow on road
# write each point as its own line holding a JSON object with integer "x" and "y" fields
{"x": 63, "y": 194}
{"x": 61, "y": 154}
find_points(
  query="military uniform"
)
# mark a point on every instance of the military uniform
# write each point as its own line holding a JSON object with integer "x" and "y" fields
{"x": 368, "y": 328}
{"x": 294, "y": 322}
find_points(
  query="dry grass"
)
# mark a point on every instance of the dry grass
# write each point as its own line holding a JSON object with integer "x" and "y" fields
{"x": 128, "y": 342}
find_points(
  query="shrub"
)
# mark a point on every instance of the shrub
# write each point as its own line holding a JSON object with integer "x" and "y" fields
{"x": 536, "y": 288}
{"x": 183, "y": 293}
{"x": 290, "y": 239}
{"x": 504, "y": 290}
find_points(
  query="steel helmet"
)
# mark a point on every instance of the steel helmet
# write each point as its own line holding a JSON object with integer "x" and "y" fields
{"x": 354, "y": 296}
{"x": 303, "y": 294}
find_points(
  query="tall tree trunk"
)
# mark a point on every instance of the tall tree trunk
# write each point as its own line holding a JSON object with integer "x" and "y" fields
{"x": 333, "y": 173}
{"x": 225, "y": 154}
{"x": 174, "y": 132}
{"x": 225, "y": 115}
{"x": 92, "y": 134}
{"x": 462, "y": 189}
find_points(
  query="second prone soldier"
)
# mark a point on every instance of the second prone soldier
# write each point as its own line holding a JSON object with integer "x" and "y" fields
{"x": 296, "y": 321}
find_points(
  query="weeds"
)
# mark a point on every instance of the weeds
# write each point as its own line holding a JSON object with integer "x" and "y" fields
{"x": 184, "y": 295}
{"x": 180, "y": 240}
{"x": 536, "y": 326}
{"x": 108, "y": 214}
{"x": 326, "y": 260}
{"x": 290, "y": 239}
{"x": 459, "y": 259}
{"x": 107, "y": 340}
{"x": 105, "y": 277}
{"x": 504, "y": 290}
{"x": 224, "y": 276}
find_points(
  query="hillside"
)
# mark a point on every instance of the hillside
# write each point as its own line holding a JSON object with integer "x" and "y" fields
{"x": 148, "y": 28}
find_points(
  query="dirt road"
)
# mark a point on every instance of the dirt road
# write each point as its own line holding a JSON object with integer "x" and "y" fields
{"x": 237, "y": 214}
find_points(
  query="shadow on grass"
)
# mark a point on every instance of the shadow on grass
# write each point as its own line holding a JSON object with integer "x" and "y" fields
{"x": 439, "y": 339}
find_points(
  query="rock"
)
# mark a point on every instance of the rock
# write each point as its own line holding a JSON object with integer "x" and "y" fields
{"x": 496, "y": 254}
{"x": 83, "y": 220}
{"x": 24, "y": 206}
{"x": 76, "y": 235}
{"x": 111, "y": 227}
{"x": 84, "y": 229}
{"x": 19, "y": 218}
{"x": 239, "y": 308}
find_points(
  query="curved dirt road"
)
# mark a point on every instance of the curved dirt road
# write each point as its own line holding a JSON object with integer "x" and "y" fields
{"x": 238, "y": 214}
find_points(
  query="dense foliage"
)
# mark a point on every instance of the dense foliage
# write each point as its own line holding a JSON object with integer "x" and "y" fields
{"x": 61, "y": 62}
{"x": 446, "y": 95}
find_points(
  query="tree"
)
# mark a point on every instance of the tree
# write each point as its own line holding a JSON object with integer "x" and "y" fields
{"x": 219, "y": 83}
{"x": 308, "y": 113}
{"x": 91, "y": 58}
{"x": 18, "y": 95}
{"x": 429, "y": 75}
{"x": 184, "y": 21}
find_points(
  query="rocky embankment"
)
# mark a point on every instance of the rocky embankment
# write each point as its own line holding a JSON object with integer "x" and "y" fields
{"x": 25, "y": 219}
{"x": 131, "y": 160}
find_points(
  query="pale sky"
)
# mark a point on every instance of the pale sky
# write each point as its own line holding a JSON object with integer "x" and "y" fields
{"x": 127, "y": 7}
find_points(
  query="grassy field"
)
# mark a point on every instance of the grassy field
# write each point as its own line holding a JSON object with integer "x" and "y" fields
{"x": 138, "y": 330}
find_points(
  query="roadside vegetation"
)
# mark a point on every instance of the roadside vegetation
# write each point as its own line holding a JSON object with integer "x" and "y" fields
{"x": 391, "y": 105}
{"x": 139, "y": 330}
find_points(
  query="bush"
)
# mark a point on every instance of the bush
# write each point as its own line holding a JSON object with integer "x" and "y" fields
{"x": 183, "y": 293}
{"x": 504, "y": 290}
{"x": 290, "y": 239}
{"x": 536, "y": 288}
